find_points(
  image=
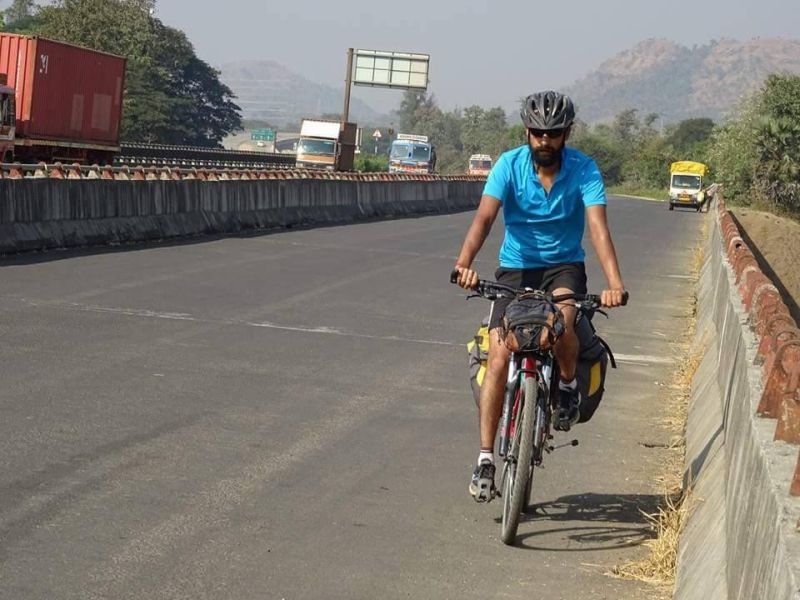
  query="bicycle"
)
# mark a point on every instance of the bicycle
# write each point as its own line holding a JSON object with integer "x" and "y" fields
{"x": 529, "y": 402}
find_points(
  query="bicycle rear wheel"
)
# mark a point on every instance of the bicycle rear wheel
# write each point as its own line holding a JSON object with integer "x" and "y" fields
{"x": 518, "y": 461}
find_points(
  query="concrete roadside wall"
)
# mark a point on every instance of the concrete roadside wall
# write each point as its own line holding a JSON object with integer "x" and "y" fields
{"x": 39, "y": 214}
{"x": 742, "y": 435}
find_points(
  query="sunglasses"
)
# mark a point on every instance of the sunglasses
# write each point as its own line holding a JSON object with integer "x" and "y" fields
{"x": 551, "y": 133}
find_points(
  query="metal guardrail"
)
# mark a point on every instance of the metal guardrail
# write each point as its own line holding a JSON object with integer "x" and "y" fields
{"x": 167, "y": 173}
{"x": 135, "y": 154}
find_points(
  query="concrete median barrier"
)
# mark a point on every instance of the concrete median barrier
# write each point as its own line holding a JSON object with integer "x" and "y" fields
{"x": 45, "y": 213}
{"x": 742, "y": 539}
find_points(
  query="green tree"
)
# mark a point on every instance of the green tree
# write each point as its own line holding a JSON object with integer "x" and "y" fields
{"x": 413, "y": 105}
{"x": 778, "y": 142}
{"x": 686, "y": 136}
{"x": 756, "y": 155}
{"x": 483, "y": 131}
{"x": 626, "y": 126}
{"x": 604, "y": 149}
{"x": 780, "y": 98}
{"x": 202, "y": 110}
{"x": 20, "y": 17}
{"x": 733, "y": 155}
{"x": 444, "y": 132}
{"x": 648, "y": 164}
{"x": 514, "y": 136}
{"x": 123, "y": 27}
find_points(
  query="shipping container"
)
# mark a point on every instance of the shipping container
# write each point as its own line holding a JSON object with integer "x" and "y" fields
{"x": 68, "y": 98}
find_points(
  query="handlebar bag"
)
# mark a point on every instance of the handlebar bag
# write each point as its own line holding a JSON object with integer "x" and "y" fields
{"x": 532, "y": 324}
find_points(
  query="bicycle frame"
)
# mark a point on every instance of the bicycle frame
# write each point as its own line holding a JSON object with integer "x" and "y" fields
{"x": 522, "y": 366}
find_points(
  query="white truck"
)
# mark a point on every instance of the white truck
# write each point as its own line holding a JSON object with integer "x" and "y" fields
{"x": 479, "y": 164}
{"x": 328, "y": 145}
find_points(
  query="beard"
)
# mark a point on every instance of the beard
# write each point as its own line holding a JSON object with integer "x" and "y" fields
{"x": 546, "y": 157}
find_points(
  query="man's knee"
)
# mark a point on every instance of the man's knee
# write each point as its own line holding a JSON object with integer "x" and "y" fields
{"x": 497, "y": 361}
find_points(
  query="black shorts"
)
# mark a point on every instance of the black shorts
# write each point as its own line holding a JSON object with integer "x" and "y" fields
{"x": 571, "y": 276}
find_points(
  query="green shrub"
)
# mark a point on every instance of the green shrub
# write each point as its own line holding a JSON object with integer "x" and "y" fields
{"x": 371, "y": 163}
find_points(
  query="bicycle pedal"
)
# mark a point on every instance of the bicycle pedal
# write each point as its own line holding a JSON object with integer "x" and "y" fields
{"x": 573, "y": 443}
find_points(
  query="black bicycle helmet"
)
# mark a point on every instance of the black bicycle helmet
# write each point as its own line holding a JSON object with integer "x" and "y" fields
{"x": 547, "y": 110}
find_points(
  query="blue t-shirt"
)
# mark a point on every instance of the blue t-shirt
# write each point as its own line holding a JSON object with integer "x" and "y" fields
{"x": 543, "y": 229}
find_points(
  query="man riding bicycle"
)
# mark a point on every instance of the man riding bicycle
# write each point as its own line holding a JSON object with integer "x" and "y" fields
{"x": 547, "y": 192}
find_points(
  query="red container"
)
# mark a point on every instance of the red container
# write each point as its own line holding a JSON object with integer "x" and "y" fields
{"x": 65, "y": 95}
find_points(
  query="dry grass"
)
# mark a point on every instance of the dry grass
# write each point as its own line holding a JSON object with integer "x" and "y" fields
{"x": 658, "y": 566}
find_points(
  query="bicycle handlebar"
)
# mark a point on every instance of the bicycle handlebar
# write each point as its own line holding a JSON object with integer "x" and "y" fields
{"x": 493, "y": 290}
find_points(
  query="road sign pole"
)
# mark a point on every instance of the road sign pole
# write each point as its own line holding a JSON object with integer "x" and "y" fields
{"x": 376, "y": 136}
{"x": 348, "y": 83}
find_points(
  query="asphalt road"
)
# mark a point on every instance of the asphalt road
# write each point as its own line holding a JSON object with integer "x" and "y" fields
{"x": 288, "y": 416}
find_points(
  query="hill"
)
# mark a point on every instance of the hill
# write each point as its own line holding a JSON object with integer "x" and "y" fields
{"x": 268, "y": 91}
{"x": 660, "y": 76}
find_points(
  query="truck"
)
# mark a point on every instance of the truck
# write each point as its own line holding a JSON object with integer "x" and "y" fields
{"x": 410, "y": 153}
{"x": 479, "y": 164}
{"x": 686, "y": 184}
{"x": 328, "y": 145}
{"x": 58, "y": 102}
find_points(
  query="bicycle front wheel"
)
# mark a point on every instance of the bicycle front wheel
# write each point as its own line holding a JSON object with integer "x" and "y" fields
{"x": 515, "y": 482}
{"x": 539, "y": 443}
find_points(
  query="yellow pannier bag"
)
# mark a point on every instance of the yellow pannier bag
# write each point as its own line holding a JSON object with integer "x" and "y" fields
{"x": 478, "y": 350}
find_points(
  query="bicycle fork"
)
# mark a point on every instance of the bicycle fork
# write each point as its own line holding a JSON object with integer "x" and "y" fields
{"x": 519, "y": 368}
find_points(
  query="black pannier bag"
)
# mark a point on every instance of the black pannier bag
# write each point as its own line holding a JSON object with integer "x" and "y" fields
{"x": 593, "y": 360}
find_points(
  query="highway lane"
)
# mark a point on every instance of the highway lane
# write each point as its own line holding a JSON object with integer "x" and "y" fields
{"x": 288, "y": 416}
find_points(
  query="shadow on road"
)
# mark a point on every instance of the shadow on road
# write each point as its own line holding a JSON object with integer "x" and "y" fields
{"x": 588, "y": 522}
{"x": 37, "y": 256}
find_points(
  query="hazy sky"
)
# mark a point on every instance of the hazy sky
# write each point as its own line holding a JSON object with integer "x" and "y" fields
{"x": 482, "y": 52}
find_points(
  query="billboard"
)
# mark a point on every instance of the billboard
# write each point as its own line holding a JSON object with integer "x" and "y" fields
{"x": 397, "y": 70}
